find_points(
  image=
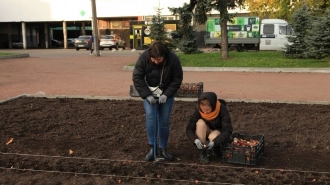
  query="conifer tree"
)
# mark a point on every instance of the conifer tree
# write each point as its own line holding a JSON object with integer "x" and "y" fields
{"x": 157, "y": 29}
{"x": 201, "y": 8}
{"x": 318, "y": 41}
{"x": 187, "y": 42}
{"x": 300, "y": 22}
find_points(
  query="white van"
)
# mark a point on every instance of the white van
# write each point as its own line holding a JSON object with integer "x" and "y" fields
{"x": 273, "y": 34}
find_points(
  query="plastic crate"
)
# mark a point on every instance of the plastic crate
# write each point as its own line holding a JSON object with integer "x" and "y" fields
{"x": 244, "y": 154}
{"x": 187, "y": 90}
{"x": 190, "y": 90}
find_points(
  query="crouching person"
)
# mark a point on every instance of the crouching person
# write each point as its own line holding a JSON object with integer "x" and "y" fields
{"x": 210, "y": 125}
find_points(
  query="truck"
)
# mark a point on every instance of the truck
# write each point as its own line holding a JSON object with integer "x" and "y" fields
{"x": 249, "y": 33}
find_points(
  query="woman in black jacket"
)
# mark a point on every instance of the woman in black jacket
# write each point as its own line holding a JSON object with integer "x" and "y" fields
{"x": 210, "y": 122}
{"x": 157, "y": 76}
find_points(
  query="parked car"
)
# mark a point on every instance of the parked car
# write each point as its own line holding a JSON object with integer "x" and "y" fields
{"x": 112, "y": 41}
{"x": 56, "y": 43}
{"x": 71, "y": 42}
{"x": 83, "y": 41}
{"x": 15, "y": 44}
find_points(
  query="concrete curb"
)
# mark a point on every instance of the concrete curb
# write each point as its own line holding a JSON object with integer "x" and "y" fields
{"x": 248, "y": 69}
{"x": 21, "y": 55}
{"x": 176, "y": 99}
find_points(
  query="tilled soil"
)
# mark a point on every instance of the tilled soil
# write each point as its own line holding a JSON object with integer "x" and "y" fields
{"x": 81, "y": 141}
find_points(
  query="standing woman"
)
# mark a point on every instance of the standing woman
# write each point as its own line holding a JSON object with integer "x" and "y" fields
{"x": 157, "y": 77}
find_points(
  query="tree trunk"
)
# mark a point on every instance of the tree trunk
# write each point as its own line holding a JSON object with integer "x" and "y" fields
{"x": 224, "y": 39}
{"x": 224, "y": 31}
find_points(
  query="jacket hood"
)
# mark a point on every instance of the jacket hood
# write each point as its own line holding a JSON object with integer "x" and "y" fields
{"x": 211, "y": 96}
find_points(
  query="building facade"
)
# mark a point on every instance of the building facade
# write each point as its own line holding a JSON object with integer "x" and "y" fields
{"x": 37, "y": 22}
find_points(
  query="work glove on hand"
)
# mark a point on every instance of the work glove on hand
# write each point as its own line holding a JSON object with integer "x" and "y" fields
{"x": 162, "y": 98}
{"x": 151, "y": 99}
{"x": 210, "y": 145}
{"x": 199, "y": 144}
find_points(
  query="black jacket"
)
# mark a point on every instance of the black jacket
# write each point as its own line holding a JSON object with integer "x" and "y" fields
{"x": 221, "y": 123}
{"x": 144, "y": 68}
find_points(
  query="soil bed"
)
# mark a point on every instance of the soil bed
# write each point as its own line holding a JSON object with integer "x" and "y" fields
{"x": 79, "y": 141}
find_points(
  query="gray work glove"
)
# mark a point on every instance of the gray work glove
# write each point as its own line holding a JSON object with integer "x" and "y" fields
{"x": 162, "y": 98}
{"x": 151, "y": 99}
{"x": 210, "y": 145}
{"x": 199, "y": 144}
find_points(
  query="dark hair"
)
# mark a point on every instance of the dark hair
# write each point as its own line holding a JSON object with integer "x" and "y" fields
{"x": 157, "y": 49}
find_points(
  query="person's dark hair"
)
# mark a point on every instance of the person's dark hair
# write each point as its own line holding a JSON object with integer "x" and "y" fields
{"x": 157, "y": 49}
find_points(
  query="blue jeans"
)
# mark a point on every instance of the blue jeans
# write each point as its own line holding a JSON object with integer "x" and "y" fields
{"x": 163, "y": 121}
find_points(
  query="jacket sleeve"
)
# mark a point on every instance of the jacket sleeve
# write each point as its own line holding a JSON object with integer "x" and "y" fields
{"x": 139, "y": 74}
{"x": 191, "y": 127}
{"x": 227, "y": 128}
{"x": 176, "y": 78}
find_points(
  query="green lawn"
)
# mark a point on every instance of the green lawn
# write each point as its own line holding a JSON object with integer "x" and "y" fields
{"x": 267, "y": 59}
{"x": 5, "y": 54}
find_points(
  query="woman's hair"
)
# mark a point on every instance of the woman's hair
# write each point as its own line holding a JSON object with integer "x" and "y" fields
{"x": 157, "y": 49}
{"x": 204, "y": 102}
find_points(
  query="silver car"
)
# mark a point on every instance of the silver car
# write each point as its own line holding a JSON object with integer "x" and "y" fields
{"x": 112, "y": 41}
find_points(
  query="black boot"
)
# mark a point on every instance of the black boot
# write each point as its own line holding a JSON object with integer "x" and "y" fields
{"x": 203, "y": 157}
{"x": 217, "y": 151}
{"x": 150, "y": 155}
{"x": 166, "y": 155}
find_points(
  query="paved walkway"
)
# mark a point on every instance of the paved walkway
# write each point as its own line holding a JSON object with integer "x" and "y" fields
{"x": 71, "y": 73}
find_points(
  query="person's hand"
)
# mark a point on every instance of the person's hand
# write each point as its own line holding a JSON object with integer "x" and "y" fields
{"x": 151, "y": 99}
{"x": 162, "y": 98}
{"x": 210, "y": 145}
{"x": 199, "y": 144}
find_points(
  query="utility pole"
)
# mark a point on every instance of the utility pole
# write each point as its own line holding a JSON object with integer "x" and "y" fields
{"x": 95, "y": 29}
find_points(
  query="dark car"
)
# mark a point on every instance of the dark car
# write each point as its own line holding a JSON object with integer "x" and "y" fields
{"x": 71, "y": 42}
{"x": 83, "y": 42}
{"x": 15, "y": 44}
{"x": 56, "y": 43}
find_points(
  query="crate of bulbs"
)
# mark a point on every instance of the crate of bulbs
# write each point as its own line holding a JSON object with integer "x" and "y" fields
{"x": 187, "y": 90}
{"x": 243, "y": 149}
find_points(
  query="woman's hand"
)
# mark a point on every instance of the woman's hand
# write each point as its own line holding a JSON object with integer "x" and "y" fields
{"x": 210, "y": 145}
{"x": 151, "y": 99}
{"x": 199, "y": 144}
{"x": 162, "y": 98}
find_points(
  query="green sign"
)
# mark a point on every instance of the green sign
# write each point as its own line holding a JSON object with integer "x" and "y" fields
{"x": 240, "y": 27}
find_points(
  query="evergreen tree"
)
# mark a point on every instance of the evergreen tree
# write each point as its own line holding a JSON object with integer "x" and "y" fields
{"x": 201, "y": 8}
{"x": 157, "y": 29}
{"x": 158, "y": 32}
{"x": 319, "y": 39}
{"x": 187, "y": 42}
{"x": 300, "y": 22}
